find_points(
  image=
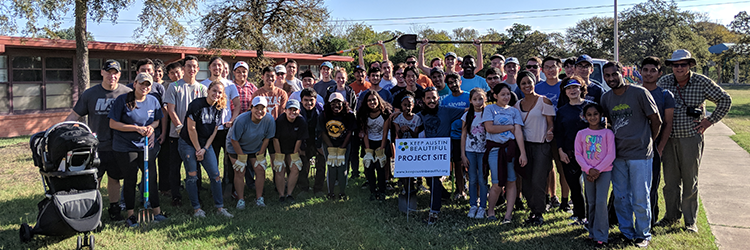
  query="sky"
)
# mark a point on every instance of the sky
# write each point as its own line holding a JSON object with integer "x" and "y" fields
{"x": 544, "y": 15}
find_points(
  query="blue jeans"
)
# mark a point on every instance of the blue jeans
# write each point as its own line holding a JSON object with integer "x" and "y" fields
{"x": 492, "y": 160}
{"x": 476, "y": 180}
{"x": 631, "y": 184}
{"x": 210, "y": 164}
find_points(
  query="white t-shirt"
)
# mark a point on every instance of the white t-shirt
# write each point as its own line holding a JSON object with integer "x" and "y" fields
{"x": 535, "y": 121}
{"x": 375, "y": 128}
{"x": 476, "y": 136}
{"x": 386, "y": 84}
{"x": 230, "y": 90}
{"x": 295, "y": 83}
{"x": 413, "y": 124}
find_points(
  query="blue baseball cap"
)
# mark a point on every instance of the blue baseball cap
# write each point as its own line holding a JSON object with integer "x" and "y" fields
{"x": 450, "y": 54}
{"x": 327, "y": 64}
{"x": 584, "y": 58}
{"x": 292, "y": 103}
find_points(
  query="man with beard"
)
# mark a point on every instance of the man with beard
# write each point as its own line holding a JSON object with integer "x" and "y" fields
{"x": 437, "y": 123}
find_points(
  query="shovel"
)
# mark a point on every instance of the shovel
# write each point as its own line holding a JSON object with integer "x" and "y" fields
{"x": 409, "y": 42}
{"x": 355, "y": 48}
{"x": 145, "y": 215}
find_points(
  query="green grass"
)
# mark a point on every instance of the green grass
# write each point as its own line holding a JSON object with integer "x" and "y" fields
{"x": 738, "y": 118}
{"x": 311, "y": 223}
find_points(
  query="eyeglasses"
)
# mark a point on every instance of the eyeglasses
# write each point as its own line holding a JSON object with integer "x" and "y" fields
{"x": 411, "y": 62}
{"x": 532, "y": 66}
{"x": 585, "y": 66}
{"x": 280, "y": 74}
{"x": 680, "y": 65}
{"x": 493, "y": 78}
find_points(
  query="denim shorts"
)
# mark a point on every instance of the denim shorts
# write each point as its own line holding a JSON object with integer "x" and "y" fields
{"x": 492, "y": 159}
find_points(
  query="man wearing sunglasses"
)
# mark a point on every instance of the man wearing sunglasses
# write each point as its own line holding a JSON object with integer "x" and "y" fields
{"x": 584, "y": 67}
{"x": 682, "y": 154}
{"x": 423, "y": 80}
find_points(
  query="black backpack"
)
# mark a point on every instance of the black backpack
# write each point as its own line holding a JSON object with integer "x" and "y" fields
{"x": 68, "y": 142}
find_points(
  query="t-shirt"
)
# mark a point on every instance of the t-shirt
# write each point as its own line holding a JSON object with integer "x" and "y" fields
{"x": 291, "y": 132}
{"x": 181, "y": 94}
{"x": 439, "y": 125}
{"x": 444, "y": 92}
{"x": 388, "y": 84}
{"x": 276, "y": 98}
{"x": 359, "y": 86}
{"x": 476, "y": 137}
{"x": 295, "y": 83}
{"x": 206, "y": 118}
{"x": 628, "y": 114}
{"x": 157, "y": 90}
{"x": 384, "y": 93}
{"x": 230, "y": 90}
{"x": 461, "y": 101}
{"x": 321, "y": 87}
{"x": 595, "y": 149}
{"x": 477, "y": 82}
{"x": 375, "y": 128}
{"x": 338, "y": 126}
{"x": 535, "y": 121}
{"x": 664, "y": 100}
{"x": 413, "y": 124}
{"x": 145, "y": 114}
{"x": 296, "y": 96}
{"x": 551, "y": 92}
{"x": 95, "y": 103}
{"x": 424, "y": 81}
{"x": 250, "y": 135}
{"x": 501, "y": 116}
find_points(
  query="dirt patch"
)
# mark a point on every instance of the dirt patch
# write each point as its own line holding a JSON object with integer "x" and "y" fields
{"x": 16, "y": 164}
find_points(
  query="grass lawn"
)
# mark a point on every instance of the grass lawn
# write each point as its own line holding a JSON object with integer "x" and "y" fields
{"x": 311, "y": 223}
{"x": 738, "y": 118}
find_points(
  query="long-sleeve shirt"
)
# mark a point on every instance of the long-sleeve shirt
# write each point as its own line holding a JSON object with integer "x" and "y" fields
{"x": 568, "y": 122}
{"x": 698, "y": 89}
{"x": 595, "y": 149}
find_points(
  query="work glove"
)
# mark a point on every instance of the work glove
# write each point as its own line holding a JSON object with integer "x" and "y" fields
{"x": 331, "y": 159}
{"x": 240, "y": 164}
{"x": 278, "y": 162}
{"x": 368, "y": 159}
{"x": 296, "y": 161}
{"x": 341, "y": 157}
{"x": 380, "y": 156}
{"x": 260, "y": 161}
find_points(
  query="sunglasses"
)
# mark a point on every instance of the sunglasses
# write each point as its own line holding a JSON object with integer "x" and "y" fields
{"x": 680, "y": 65}
{"x": 532, "y": 66}
{"x": 411, "y": 62}
{"x": 493, "y": 78}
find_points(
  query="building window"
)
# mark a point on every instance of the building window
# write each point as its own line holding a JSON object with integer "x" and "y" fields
{"x": 4, "y": 100}
{"x": 58, "y": 72}
{"x": 27, "y": 82}
{"x": 39, "y": 83}
{"x": 95, "y": 67}
{"x": 203, "y": 73}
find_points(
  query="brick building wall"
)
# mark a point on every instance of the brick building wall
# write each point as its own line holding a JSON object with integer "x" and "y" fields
{"x": 27, "y": 124}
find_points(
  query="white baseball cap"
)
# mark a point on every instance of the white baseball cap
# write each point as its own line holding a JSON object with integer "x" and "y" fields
{"x": 280, "y": 69}
{"x": 241, "y": 64}
{"x": 259, "y": 100}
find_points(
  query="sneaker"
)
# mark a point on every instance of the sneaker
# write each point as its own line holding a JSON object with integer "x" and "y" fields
{"x": 665, "y": 223}
{"x": 343, "y": 197}
{"x": 131, "y": 221}
{"x": 506, "y": 221}
{"x": 282, "y": 199}
{"x": 573, "y": 218}
{"x": 472, "y": 212}
{"x": 115, "y": 214}
{"x": 642, "y": 243}
{"x": 565, "y": 208}
{"x": 331, "y": 196}
{"x": 241, "y": 204}
{"x": 160, "y": 218}
{"x": 223, "y": 211}
{"x": 289, "y": 199}
{"x": 492, "y": 218}
{"x": 692, "y": 228}
{"x": 480, "y": 214}
{"x": 535, "y": 220}
{"x": 199, "y": 214}
{"x": 600, "y": 245}
{"x": 555, "y": 203}
{"x": 260, "y": 202}
{"x": 234, "y": 195}
{"x": 122, "y": 206}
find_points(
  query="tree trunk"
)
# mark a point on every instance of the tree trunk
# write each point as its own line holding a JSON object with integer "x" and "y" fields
{"x": 82, "y": 47}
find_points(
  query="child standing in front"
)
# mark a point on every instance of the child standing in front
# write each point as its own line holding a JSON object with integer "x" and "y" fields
{"x": 595, "y": 152}
{"x": 473, "y": 139}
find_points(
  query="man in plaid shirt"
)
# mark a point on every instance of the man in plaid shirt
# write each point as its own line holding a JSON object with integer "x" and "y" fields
{"x": 682, "y": 154}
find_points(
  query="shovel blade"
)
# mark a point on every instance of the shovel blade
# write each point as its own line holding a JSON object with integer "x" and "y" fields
{"x": 407, "y": 41}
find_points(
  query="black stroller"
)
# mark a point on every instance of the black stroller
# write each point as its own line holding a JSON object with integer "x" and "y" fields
{"x": 67, "y": 160}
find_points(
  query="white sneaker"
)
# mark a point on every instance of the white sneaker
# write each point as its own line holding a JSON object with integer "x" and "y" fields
{"x": 259, "y": 202}
{"x": 472, "y": 212}
{"x": 200, "y": 214}
{"x": 480, "y": 214}
{"x": 241, "y": 204}
{"x": 223, "y": 211}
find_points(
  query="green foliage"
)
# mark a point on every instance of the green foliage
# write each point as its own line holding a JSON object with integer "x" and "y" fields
{"x": 65, "y": 34}
{"x": 741, "y": 26}
{"x": 593, "y": 36}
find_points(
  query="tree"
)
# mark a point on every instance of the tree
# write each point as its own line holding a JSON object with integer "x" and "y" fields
{"x": 65, "y": 34}
{"x": 156, "y": 15}
{"x": 592, "y": 36}
{"x": 657, "y": 28}
{"x": 259, "y": 25}
{"x": 741, "y": 26}
{"x": 524, "y": 43}
{"x": 714, "y": 34}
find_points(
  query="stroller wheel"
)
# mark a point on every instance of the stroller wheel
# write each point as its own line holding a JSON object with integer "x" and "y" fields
{"x": 79, "y": 243}
{"x": 91, "y": 242}
{"x": 25, "y": 233}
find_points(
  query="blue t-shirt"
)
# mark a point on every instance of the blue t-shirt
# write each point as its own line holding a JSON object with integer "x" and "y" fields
{"x": 477, "y": 82}
{"x": 502, "y": 116}
{"x": 249, "y": 134}
{"x": 551, "y": 92}
{"x": 461, "y": 101}
{"x": 664, "y": 100}
{"x": 384, "y": 93}
{"x": 145, "y": 114}
{"x": 438, "y": 125}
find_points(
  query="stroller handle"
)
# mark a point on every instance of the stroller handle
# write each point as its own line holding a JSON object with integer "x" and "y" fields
{"x": 66, "y": 123}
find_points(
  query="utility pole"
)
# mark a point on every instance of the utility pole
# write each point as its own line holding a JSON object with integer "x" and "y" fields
{"x": 617, "y": 38}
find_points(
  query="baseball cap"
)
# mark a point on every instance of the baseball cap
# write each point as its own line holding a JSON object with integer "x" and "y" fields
{"x": 241, "y": 64}
{"x": 502, "y": 58}
{"x": 292, "y": 103}
{"x": 572, "y": 82}
{"x": 259, "y": 100}
{"x": 280, "y": 69}
{"x": 450, "y": 54}
{"x": 327, "y": 64}
{"x": 336, "y": 96}
{"x": 512, "y": 60}
{"x": 358, "y": 68}
{"x": 111, "y": 64}
{"x": 584, "y": 58}
{"x": 437, "y": 70}
{"x": 144, "y": 77}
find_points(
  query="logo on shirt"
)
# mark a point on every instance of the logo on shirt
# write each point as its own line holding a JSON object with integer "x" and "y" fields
{"x": 103, "y": 105}
{"x": 593, "y": 147}
{"x": 335, "y": 128}
{"x": 620, "y": 116}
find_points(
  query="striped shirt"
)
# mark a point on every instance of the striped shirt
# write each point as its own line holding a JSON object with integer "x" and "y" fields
{"x": 694, "y": 95}
{"x": 246, "y": 95}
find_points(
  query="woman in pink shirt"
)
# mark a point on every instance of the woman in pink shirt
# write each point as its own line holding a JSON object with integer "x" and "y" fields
{"x": 595, "y": 152}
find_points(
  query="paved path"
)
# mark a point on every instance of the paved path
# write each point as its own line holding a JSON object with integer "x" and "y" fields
{"x": 724, "y": 188}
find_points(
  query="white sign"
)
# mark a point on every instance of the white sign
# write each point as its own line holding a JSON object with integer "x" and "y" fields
{"x": 423, "y": 157}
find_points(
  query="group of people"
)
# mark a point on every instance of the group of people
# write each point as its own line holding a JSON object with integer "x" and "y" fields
{"x": 509, "y": 127}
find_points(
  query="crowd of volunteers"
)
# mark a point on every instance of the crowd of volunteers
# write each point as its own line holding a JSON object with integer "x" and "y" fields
{"x": 515, "y": 132}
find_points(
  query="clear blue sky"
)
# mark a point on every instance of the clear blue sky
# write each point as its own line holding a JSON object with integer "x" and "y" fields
{"x": 543, "y": 15}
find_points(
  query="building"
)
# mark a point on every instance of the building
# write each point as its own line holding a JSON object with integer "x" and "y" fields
{"x": 37, "y": 77}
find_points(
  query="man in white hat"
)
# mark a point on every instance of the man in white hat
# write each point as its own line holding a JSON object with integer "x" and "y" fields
{"x": 684, "y": 149}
